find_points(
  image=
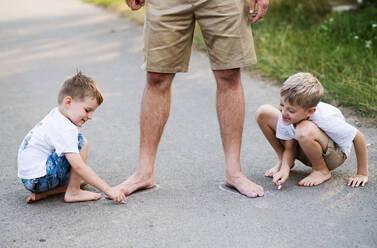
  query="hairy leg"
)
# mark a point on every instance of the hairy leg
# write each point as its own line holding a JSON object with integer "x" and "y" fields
{"x": 231, "y": 113}
{"x": 155, "y": 109}
{"x": 313, "y": 141}
{"x": 73, "y": 192}
{"x": 267, "y": 118}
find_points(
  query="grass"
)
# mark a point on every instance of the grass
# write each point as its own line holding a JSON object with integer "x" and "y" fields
{"x": 340, "y": 49}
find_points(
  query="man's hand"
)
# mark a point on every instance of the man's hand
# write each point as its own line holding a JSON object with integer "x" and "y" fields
{"x": 262, "y": 9}
{"x": 357, "y": 180}
{"x": 135, "y": 4}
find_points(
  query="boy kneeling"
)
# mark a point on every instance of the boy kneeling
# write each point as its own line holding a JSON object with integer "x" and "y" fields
{"x": 311, "y": 131}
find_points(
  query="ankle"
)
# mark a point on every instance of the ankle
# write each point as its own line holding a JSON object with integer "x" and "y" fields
{"x": 324, "y": 171}
{"x": 234, "y": 174}
{"x": 144, "y": 174}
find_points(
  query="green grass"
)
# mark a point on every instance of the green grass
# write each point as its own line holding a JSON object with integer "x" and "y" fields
{"x": 340, "y": 49}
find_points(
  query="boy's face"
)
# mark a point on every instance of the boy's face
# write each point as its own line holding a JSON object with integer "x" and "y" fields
{"x": 79, "y": 111}
{"x": 293, "y": 113}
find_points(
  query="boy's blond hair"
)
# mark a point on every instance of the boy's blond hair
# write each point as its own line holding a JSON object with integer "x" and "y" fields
{"x": 78, "y": 87}
{"x": 302, "y": 89}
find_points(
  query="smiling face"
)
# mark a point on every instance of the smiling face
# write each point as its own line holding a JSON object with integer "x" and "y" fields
{"x": 293, "y": 113}
{"x": 78, "y": 111}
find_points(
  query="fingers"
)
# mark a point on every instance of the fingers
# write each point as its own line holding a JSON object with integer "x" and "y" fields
{"x": 120, "y": 198}
{"x": 278, "y": 179}
{"x": 135, "y": 4}
{"x": 252, "y": 5}
{"x": 262, "y": 10}
{"x": 357, "y": 181}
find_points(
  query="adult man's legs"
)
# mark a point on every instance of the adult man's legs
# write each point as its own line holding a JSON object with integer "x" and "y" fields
{"x": 231, "y": 113}
{"x": 155, "y": 108}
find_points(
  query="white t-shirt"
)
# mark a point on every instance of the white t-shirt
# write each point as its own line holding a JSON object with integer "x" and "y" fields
{"x": 330, "y": 120}
{"x": 55, "y": 133}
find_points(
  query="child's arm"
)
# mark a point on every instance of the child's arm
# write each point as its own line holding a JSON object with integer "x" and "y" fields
{"x": 289, "y": 155}
{"x": 91, "y": 177}
{"x": 361, "y": 177}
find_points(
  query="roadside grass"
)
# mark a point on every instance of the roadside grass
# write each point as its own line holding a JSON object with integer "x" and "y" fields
{"x": 338, "y": 48}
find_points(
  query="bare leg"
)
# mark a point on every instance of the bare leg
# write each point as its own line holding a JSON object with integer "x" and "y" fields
{"x": 35, "y": 197}
{"x": 313, "y": 141}
{"x": 231, "y": 112}
{"x": 155, "y": 109}
{"x": 88, "y": 195}
{"x": 267, "y": 118}
{"x": 73, "y": 192}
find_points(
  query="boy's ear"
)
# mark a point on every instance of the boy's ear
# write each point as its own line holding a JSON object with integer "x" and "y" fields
{"x": 311, "y": 111}
{"x": 67, "y": 101}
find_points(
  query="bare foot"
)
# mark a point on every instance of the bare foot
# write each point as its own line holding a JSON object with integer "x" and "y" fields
{"x": 245, "y": 186}
{"x": 273, "y": 170}
{"x": 135, "y": 183}
{"x": 34, "y": 197}
{"x": 38, "y": 196}
{"x": 81, "y": 195}
{"x": 315, "y": 178}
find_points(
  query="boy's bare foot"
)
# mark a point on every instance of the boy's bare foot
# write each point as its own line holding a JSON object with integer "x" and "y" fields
{"x": 273, "y": 170}
{"x": 135, "y": 183}
{"x": 34, "y": 197}
{"x": 315, "y": 178}
{"x": 38, "y": 196}
{"x": 245, "y": 186}
{"x": 81, "y": 195}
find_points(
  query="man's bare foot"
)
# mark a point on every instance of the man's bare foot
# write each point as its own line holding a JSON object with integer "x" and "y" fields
{"x": 135, "y": 183}
{"x": 273, "y": 170}
{"x": 315, "y": 178}
{"x": 81, "y": 195}
{"x": 245, "y": 186}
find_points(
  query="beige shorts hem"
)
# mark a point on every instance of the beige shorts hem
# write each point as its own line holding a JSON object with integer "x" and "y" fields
{"x": 232, "y": 66}
{"x": 164, "y": 70}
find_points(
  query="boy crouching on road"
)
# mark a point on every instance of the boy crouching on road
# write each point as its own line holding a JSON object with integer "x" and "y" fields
{"x": 311, "y": 131}
{"x": 52, "y": 157}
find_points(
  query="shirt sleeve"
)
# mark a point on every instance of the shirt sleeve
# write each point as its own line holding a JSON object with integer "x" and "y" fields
{"x": 340, "y": 132}
{"x": 64, "y": 140}
{"x": 62, "y": 134}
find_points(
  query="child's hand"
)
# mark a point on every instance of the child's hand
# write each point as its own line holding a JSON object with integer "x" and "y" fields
{"x": 357, "y": 180}
{"x": 116, "y": 195}
{"x": 280, "y": 177}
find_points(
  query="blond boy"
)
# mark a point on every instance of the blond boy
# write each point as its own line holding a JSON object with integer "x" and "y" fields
{"x": 311, "y": 131}
{"x": 52, "y": 157}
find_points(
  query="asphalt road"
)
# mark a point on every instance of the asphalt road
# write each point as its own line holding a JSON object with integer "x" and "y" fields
{"x": 43, "y": 42}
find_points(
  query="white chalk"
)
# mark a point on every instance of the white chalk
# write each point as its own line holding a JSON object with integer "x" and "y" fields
{"x": 279, "y": 185}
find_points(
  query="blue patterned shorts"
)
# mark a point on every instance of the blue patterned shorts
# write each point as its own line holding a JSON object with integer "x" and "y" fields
{"x": 57, "y": 173}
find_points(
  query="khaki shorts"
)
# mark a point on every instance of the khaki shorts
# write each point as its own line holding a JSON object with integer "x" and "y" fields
{"x": 169, "y": 28}
{"x": 332, "y": 155}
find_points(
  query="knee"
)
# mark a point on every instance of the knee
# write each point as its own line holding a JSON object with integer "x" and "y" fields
{"x": 160, "y": 81}
{"x": 228, "y": 79}
{"x": 263, "y": 113}
{"x": 305, "y": 131}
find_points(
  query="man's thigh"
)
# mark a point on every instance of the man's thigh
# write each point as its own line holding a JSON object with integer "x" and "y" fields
{"x": 168, "y": 34}
{"x": 227, "y": 33}
{"x": 169, "y": 27}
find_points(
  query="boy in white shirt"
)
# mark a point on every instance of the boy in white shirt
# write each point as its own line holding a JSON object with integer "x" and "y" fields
{"x": 52, "y": 157}
{"x": 311, "y": 131}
